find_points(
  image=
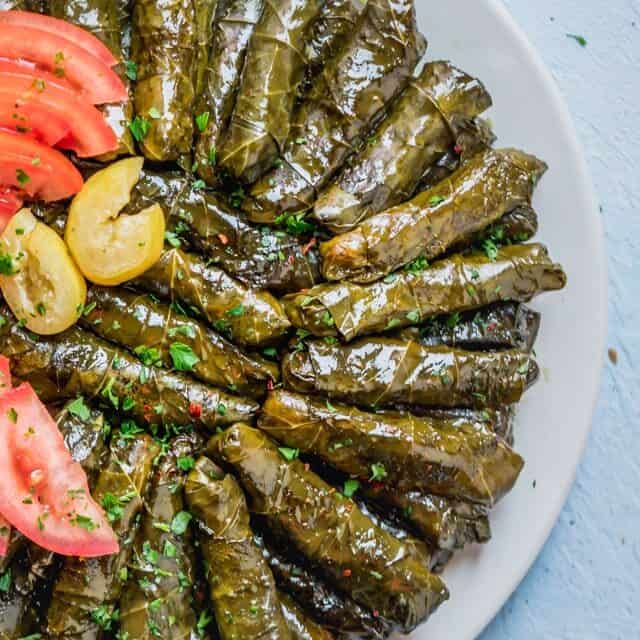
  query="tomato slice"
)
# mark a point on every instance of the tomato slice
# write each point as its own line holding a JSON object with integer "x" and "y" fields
{"x": 24, "y": 66}
{"x": 66, "y": 30}
{"x": 43, "y": 492}
{"x": 10, "y": 203}
{"x": 89, "y": 134}
{"x": 32, "y": 119}
{"x": 97, "y": 82}
{"x": 37, "y": 170}
{"x": 5, "y": 385}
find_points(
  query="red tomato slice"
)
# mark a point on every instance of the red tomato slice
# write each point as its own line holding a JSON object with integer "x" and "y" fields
{"x": 94, "y": 79}
{"x": 38, "y": 170}
{"x": 5, "y": 385}
{"x": 32, "y": 119}
{"x": 24, "y": 66}
{"x": 66, "y": 30}
{"x": 10, "y": 203}
{"x": 89, "y": 133}
{"x": 43, "y": 492}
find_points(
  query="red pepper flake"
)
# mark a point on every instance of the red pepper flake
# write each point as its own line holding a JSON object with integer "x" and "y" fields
{"x": 492, "y": 327}
{"x": 377, "y": 486}
{"x": 147, "y": 412}
{"x": 376, "y": 613}
{"x": 458, "y": 149}
{"x": 306, "y": 466}
{"x": 291, "y": 259}
{"x": 195, "y": 410}
{"x": 223, "y": 238}
{"x": 269, "y": 384}
{"x": 346, "y": 573}
{"x": 307, "y": 247}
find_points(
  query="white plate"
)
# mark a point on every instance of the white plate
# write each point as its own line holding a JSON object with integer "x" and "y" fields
{"x": 555, "y": 417}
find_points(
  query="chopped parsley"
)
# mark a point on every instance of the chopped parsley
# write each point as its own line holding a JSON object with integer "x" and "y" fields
{"x": 139, "y": 128}
{"x": 288, "y": 453}
{"x": 180, "y": 522}
{"x": 79, "y": 409}
{"x": 183, "y": 357}
{"x": 350, "y": 487}
{"x": 202, "y": 120}
{"x": 378, "y": 472}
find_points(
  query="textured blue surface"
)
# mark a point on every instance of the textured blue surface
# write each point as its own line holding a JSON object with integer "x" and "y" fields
{"x": 586, "y": 583}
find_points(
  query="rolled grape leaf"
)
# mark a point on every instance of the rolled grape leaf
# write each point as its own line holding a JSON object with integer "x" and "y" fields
{"x": 300, "y": 626}
{"x": 473, "y": 137}
{"x": 164, "y": 49}
{"x": 382, "y": 371}
{"x": 243, "y": 591}
{"x": 452, "y": 285}
{"x": 445, "y": 523}
{"x": 261, "y": 258}
{"x": 144, "y": 326}
{"x": 347, "y": 99}
{"x": 273, "y": 69}
{"x": 377, "y": 570}
{"x": 234, "y": 24}
{"x": 453, "y": 458}
{"x": 77, "y": 362}
{"x": 245, "y": 316}
{"x": 334, "y": 610}
{"x": 331, "y": 30}
{"x": 86, "y": 593}
{"x": 104, "y": 19}
{"x": 475, "y": 196}
{"x": 504, "y": 325}
{"x": 156, "y": 600}
{"x": 422, "y": 126}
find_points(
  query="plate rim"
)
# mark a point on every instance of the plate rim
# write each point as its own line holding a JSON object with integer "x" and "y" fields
{"x": 595, "y": 229}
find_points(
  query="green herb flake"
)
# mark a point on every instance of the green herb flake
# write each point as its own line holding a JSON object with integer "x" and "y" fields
{"x": 378, "y": 472}
{"x": 183, "y": 356}
{"x": 79, "y": 409}
{"x": 22, "y": 177}
{"x": 180, "y": 522}
{"x": 139, "y": 128}
{"x": 5, "y": 581}
{"x": 581, "y": 40}
{"x": 186, "y": 463}
{"x": 436, "y": 200}
{"x": 131, "y": 69}
{"x": 288, "y": 453}
{"x": 350, "y": 487}
{"x": 202, "y": 120}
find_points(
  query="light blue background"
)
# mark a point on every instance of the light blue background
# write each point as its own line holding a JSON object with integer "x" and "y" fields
{"x": 586, "y": 583}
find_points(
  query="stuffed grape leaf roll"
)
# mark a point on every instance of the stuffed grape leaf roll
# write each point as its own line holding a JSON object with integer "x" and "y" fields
{"x": 164, "y": 48}
{"x": 445, "y": 523}
{"x": 346, "y": 101}
{"x": 142, "y": 325}
{"x": 504, "y": 325}
{"x": 300, "y": 626}
{"x": 86, "y": 593}
{"x": 246, "y": 316}
{"x": 77, "y": 362}
{"x": 382, "y": 371}
{"x": 232, "y": 29}
{"x": 261, "y": 258}
{"x": 453, "y": 458}
{"x": 156, "y": 600}
{"x": 377, "y": 570}
{"x": 421, "y": 127}
{"x": 273, "y": 69}
{"x": 243, "y": 591}
{"x": 336, "y": 611}
{"x": 104, "y": 20}
{"x": 474, "y": 197}
{"x": 451, "y": 285}
{"x": 331, "y": 30}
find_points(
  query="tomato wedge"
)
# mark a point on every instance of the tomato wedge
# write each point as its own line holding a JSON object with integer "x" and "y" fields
{"x": 5, "y": 385}
{"x": 32, "y": 119}
{"x": 97, "y": 82}
{"x": 35, "y": 169}
{"x": 89, "y": 134}
{"x": 66, "y": 30}
{"x": 10, "y": 203}
{"x": 43, "y": 492}
{"x": 24, "y": 66}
